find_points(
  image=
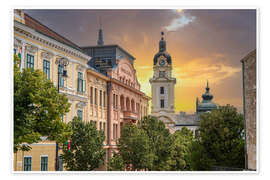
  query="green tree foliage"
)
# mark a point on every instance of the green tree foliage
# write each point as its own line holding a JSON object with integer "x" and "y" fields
{"x": 116, "y": 163}
{"x": 181, "y": 150}
{"x": 198, "y": 159}
{"x": 134, "y": 148}
{"x": 161, "y": 142}
{"x": 38, "y": 108}
{"x": 220, "y": 141}
{"x": 86, "y": 148}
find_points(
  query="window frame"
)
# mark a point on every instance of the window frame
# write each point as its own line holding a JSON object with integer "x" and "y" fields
{"x": 24, "y": 165}
{"x": 162, "y": 103}
{"x": 47, "y": 68}
{"x": 162, "y": 90}
{"x": 80, "y": 111}
{"x": 60, "y": 78}
{"x": 46, "y": 163}
{"x": 29, "y": 63}
{"x": 80, "y": 82}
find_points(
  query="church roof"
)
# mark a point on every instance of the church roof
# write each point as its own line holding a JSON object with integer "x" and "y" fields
{"x": 206, "y": 104}
{"x": 162, "y": 51}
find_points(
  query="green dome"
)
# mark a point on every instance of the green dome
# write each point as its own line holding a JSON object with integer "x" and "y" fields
{"x": 206, "y": 104}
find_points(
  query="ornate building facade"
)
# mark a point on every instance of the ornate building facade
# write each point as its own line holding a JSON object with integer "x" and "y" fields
{"x": 126, "y": 102}
{"x": 109, "y": 98}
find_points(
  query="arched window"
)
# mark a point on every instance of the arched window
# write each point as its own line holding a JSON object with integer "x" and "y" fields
{"x": 122, "y": 101}
{"x": 132, "y": 105}
{"x": 127, "y": 104}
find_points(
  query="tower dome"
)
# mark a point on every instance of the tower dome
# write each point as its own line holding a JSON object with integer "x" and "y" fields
{"x": 206, "y": 104}
{"x": 162, "y": 51}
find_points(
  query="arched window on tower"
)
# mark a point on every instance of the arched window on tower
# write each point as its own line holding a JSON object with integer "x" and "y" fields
{"x": 161, "y": 90}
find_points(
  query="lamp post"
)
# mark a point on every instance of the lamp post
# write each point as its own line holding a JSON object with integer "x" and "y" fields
{"x": 60, "y": 62}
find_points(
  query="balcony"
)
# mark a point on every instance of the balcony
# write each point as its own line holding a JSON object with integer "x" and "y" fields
{"x": 130, "y": 116}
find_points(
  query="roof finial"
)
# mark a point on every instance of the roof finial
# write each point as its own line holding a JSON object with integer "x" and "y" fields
{"x": 100, "y": 34}
{"x": 162, "y": 35}
{"x": 207, "y": 87}
{"x": 100, "y": 24}
{"x": 162, "y": 43}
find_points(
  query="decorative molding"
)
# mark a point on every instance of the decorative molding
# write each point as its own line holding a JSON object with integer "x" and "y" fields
{"x": 17, "y": 43}
{"x": 47, "y": 55}
{"x": 81, "y": 68}
{"x": 31, "y": 33}
{"x": 31, "y": 49}
{"x": 81, "y": 105}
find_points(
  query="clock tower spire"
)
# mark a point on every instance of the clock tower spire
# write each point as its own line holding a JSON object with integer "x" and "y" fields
{"x": 162, "y": 82}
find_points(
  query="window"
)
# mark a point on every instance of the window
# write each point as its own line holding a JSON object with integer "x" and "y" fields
{"x": 15, "y": 51}
{"x": 116, "y": 102}
{"x": 113, "y": 100}
{"x": 161, "y": 73}
{"x": 161, "y": 90}
{"x": 91, "y": 95}
{"x": 95, "y": 96}
{"x": 100, "y": 125}
{"x": 60, "y": 73}
{"x": 116, "y": 128}
{"x": 100, "y": 98}
{"x": 104, "y": 100}
{"x": 104, "y": 124}
{"x": 44, "y": 163}
{"x": 114, "y": 131}
{"x": 46, "y": 68}
{"x": 60, "y": 163}
{"x": 30, "y": 61}
{"x": 27, "y": 163}
{"x": 162, "y": 103}
{"x": 80, "y": 82}
{"x": 80, "y": 114}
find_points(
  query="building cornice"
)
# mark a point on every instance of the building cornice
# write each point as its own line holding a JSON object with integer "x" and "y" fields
{"x": 48, "y": 50}
{"x": 32, "y": 34}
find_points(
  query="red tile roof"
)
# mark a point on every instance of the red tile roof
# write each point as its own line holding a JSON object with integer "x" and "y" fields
{"x": 34, "y": 24}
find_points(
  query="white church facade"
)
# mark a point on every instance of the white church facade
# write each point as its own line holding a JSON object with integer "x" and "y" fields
{"x": 163, "y": 99}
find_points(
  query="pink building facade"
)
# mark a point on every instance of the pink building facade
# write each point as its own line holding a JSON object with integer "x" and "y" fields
{"x": 127, "y": 104}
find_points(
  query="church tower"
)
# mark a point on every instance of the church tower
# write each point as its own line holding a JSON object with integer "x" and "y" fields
{"x": 162, "y": 82}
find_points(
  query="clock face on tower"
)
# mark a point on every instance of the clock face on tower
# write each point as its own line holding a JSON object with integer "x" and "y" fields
{"x": 162, "y": 62}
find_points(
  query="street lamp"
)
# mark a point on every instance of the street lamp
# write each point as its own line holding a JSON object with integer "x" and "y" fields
{"x": 60, "y": 62}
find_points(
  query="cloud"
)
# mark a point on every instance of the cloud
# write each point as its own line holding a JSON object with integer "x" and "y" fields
{"x": 198, "y": 70}
{"x": 181, "y": 21}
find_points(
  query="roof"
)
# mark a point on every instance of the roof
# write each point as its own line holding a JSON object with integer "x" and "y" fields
{"x": 110, "y": 45}
{"x": 252, "y": 53}
{"x": 34, "y": 24}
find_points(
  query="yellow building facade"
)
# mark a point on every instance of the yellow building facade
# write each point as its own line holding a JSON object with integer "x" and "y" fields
{"x": 87, "y": 89}
{"x": 41, "y": 52}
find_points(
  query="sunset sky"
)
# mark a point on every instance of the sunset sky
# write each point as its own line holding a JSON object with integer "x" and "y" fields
{"x": 204, "y": 45}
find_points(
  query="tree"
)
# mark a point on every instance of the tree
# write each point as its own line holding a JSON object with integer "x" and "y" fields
{"x": 181, "y": 148}
{"x": 198, "y": 159}
{"x": 116, "y": 163}
{"x": 161, "y": 142}
{"x": 86, "y": 147}
{"x": 38, "y": 108}
{"x": 134, "y": 148}
{"x": 221, "y": 137}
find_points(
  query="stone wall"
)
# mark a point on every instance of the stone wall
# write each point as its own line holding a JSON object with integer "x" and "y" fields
{"x": 250, "y": 107}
